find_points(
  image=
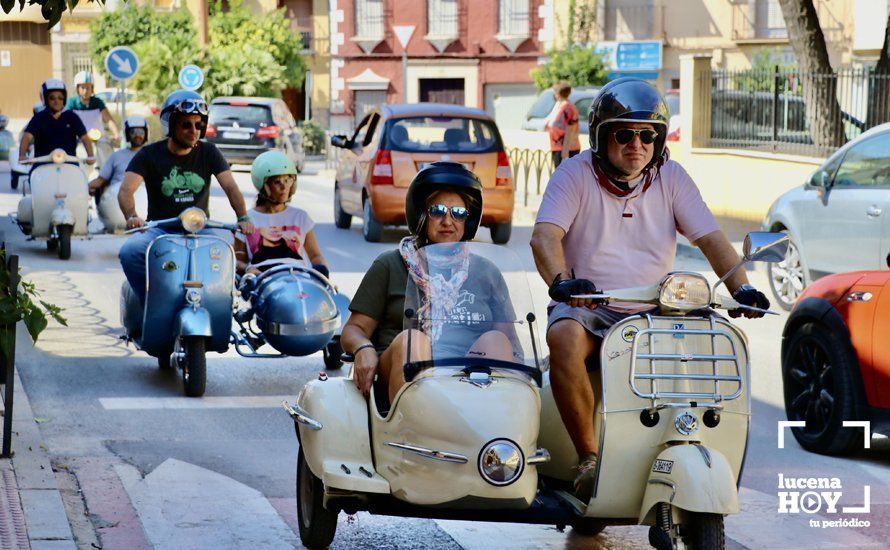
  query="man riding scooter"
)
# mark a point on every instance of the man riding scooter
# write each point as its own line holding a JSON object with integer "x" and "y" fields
{"x": 112, "y": 172}
{"x": 610, "y": 216}
{"x": 54, "y": 127}
{"x": 176, "y": 172}
{"x": 91, "y": 109}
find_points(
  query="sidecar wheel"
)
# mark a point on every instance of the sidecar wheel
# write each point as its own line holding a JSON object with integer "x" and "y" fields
{"x": 332, "y": 352}
{"x": 705, "y": 532}
{"x": 64, "y": 241}
{"x": 317, "y": 524}
{"x": 588, "y": 527}
{"x": 194, "y": 366}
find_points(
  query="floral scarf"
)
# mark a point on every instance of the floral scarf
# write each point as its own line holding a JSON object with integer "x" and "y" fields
{"x": 444, "y": 290}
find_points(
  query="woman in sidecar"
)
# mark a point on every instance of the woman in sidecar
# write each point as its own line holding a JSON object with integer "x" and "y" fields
{"x": 284, "y": 275}
{"x": 443, "y": 205}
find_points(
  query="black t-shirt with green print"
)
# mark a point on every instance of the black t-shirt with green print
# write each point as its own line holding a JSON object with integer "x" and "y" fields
{"x": 175, "y": 182}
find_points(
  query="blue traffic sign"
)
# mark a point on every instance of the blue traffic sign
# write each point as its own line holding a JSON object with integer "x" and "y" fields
{"x": 121, "y": 63}
{"x": 638, "y": 56}
{"x": 191, "y": 77}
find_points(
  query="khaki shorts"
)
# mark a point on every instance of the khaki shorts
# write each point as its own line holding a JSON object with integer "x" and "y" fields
{"x": 596, "y": 321}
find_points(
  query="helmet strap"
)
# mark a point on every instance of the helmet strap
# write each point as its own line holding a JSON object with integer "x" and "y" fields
{"x": 262, "y": 194}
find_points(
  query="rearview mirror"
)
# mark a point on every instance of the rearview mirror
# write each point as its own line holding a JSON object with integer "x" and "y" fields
{"x": 339, "y": 141}
{"x": 765, "y": 246}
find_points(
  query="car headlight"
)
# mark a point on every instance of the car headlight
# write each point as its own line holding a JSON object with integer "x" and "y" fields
{"x": 193, "y": 219}
{"x": 501, "y": 462}
{"x": 58, "y": 156}
{"x": 684, "y": 292}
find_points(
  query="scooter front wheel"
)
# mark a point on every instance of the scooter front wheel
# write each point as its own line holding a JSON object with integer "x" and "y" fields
{"x": 318, "y": 525}
{"x": 192, "y": 361}
{"x": 64, "y": 232}
{"x": 705, "y": 532}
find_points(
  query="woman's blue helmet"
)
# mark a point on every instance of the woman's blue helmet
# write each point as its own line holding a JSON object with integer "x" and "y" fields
{"x": 182, "y": 102}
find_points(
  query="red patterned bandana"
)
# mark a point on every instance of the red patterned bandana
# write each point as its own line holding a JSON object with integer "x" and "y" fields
{"x": 648, "y": 176}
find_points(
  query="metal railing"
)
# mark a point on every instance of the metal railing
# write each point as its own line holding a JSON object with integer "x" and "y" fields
{"x": 532, "y": 169}
{"x": 767, "y": 109}
{"x": 7, "y": 361}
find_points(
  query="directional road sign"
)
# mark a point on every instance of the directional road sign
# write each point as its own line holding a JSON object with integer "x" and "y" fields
{"x": 191, "y": 77}
{"x": 121, "y": 63}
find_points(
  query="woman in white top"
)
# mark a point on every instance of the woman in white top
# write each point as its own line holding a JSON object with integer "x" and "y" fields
{"x": 283, "y": 231}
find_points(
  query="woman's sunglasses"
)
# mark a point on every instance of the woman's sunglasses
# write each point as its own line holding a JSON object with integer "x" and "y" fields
{"x": 626, "y": 135}
{"x": 459, "y": 213}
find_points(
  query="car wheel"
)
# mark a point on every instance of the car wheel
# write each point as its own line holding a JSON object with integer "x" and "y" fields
{"x": 342, "y": 219}
{"x": 787, "y": 279}
{"x": 500, "y": 232}
{"x": 823, "y": 388}
{"x": 372, "y": 230}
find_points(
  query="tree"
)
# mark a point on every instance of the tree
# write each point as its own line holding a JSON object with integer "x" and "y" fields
{"x": 582, "y": 22}
{"x": 819, "y": 81}
{"x": 879, "y": 90}
{"x": 50, "y": 9}
{"x": 580, "y": 66}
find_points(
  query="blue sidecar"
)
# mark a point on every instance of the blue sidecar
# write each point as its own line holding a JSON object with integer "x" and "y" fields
{"x": 294, "y": 309}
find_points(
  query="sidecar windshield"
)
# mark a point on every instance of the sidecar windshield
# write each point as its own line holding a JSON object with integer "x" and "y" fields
{"x": 472, "y": 303}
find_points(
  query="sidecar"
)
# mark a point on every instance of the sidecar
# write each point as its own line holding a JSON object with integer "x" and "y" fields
{"x": 294, "y": 309}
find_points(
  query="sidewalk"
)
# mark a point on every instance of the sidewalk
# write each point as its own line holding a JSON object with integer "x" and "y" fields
{"x": 32, "y": 514}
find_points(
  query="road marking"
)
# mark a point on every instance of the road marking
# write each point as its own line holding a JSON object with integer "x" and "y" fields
{"x": 212, "y": 402}
{"x": 337, "y": 251}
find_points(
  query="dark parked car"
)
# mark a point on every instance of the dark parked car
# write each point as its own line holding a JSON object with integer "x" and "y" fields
{"x": 245, "y": 127}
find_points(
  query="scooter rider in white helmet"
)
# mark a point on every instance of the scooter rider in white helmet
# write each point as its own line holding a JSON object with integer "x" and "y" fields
{"x": 91, "y": 109}
{"x": 112, "y": 172}
{"x": 54, "y": 127}
{"x": 609, "y": 219}
{"x": 176, "y": 172}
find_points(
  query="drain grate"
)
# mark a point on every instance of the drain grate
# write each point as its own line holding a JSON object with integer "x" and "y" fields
{"x": 13, "y": 534}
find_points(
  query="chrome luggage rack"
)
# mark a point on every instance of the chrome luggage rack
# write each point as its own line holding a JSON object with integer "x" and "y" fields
{"x": 715, "y": 333}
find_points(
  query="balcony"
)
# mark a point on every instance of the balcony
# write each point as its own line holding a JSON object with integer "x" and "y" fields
{"x": 758, "y": 21}
{"x": 631, "y": 23}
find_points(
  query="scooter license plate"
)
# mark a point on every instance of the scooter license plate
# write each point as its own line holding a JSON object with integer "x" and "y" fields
{"x": 235, "y": 135}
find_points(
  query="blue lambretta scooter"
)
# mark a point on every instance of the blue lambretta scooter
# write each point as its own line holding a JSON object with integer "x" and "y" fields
{"x": 188, "y": 303}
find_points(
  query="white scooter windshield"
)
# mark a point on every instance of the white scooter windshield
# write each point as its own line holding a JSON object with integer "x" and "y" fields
{"x": 472, "y": 303}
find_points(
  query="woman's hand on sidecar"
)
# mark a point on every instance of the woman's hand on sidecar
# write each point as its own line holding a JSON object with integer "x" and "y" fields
{"x": 364, "y": 368}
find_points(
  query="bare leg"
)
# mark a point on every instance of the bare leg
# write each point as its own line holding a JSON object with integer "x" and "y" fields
{"x": 494, "y": 344}
{"x": 570, "y": 345}
{"x": 392, "y": 362}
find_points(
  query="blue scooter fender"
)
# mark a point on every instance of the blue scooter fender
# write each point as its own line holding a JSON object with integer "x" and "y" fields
{"x": 193, "y": 322}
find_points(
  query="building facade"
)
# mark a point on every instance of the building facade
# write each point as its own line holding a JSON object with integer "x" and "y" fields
{"x": 477, "y": 53}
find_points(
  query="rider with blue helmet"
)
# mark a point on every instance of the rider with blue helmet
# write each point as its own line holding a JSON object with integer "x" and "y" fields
{"x": 176, "y": 172}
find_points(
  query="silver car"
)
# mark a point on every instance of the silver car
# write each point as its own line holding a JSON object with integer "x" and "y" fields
{"x": 838, "y": 220}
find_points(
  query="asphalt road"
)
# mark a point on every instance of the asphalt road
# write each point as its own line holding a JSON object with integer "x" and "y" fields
{"x": 153, "y": 468}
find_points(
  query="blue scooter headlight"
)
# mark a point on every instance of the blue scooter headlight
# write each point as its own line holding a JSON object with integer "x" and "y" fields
{"x": 193, "y": 219}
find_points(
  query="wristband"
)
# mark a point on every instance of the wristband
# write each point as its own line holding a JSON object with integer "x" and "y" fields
{"x": 361, "y": 347}
{"x": 244, "y": 218}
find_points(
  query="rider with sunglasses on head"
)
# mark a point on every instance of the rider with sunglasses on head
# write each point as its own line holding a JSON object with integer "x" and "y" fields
{"x": 176, "y": 172}
{"x": 443, "y": 205}
{"x": 609, "y": 219}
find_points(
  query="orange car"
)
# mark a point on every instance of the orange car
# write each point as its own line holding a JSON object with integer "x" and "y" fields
{"x": 835, "y": 367}
{"x": 393, "y": 142}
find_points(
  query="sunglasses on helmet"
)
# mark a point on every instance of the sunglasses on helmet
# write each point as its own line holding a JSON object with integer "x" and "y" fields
{"x": 459, "y": 213}
{"x": 625, "y": 135}
{"x": 192, "y": 107}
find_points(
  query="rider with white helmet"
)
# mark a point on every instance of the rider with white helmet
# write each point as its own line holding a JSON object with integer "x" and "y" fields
{"x": 91, "y": 109}
{"x": 177, "y": 173}
{"x": 283, "y": 231}
{"x": 112, "y": 172}
{"x": 54, "y": 127}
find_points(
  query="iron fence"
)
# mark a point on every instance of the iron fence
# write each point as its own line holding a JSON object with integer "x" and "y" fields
{"x": 532, "y": 169}
{"x": 767, "y": 109}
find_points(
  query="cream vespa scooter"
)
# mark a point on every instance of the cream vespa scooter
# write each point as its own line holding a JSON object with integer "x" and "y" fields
{"x": 461, "y": 439}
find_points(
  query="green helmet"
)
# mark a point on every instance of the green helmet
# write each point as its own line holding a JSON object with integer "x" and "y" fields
{"x": 271, "y": 163}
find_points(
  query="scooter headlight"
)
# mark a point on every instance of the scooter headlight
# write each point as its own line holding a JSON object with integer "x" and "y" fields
{"x": 58, "y": 156}
{"x": 94, "y": 134}
{"x": 193, "y": 219}
{"x": 501, "y": 462}
{"x": 684, "y": 292}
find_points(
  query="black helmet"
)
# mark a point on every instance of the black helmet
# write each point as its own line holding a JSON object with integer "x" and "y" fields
{"x": 443, "y": 176}
{"x": 627, "y": 100}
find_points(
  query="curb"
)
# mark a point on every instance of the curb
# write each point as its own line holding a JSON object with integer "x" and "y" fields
{"x": 45, "y": 517}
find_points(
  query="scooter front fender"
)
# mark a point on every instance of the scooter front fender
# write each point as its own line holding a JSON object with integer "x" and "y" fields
{"x": 694, "y": 478}
{"x": 194, "y": 322}
{"x": 61, "y": 216}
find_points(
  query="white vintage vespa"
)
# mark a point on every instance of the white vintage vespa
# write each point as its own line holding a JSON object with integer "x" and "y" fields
{"x": 477, "y": 439}
{"x": 57, "y": 207}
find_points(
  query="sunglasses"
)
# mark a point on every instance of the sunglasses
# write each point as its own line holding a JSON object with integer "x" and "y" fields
{"x": 188, "y": 125}
{"x": 626, "y": 135}
{"x": 459, "y": 213}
